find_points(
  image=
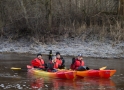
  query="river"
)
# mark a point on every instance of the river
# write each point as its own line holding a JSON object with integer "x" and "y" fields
{"x": 21, "y": 80}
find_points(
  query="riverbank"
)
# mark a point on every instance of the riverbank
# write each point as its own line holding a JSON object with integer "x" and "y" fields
{"x": 66, "y": 47}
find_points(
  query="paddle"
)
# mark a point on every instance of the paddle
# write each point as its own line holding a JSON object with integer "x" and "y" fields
{"x": 15, "y": 68}
{"x": 102, "y": 68}
{"x": 19, "y": 69}
{"x": 50, "y": 55}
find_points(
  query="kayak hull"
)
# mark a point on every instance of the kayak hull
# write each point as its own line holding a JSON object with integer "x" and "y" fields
{"x": 59, "y": 74}
{"x": 70, "y": 74}
{"x": 96, "y": 73}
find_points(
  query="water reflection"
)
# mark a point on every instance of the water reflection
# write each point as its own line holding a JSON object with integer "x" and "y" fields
{"x": 38, "y": 83}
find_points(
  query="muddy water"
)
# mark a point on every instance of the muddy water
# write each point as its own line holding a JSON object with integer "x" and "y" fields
{"x": 21, "y": 80}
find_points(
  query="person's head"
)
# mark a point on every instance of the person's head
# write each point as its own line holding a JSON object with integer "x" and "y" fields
{"x": 58, "y": 55}
{"x": 39, "y": 56}
{"x": 80, "y": 57}
{"x": 54, "y": 59}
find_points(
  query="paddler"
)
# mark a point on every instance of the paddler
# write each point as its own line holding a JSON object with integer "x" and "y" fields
{"x": 60, "y": 60}
{"x": 38, "y": 62}
{"x": 78, "y": 64}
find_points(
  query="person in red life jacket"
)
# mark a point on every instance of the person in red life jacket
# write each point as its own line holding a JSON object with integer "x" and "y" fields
{"x": 60, "y": 61}
{"x": 78, "y": 64}
{"x": 38, "y": 62}
{"x": 52, "y": 65}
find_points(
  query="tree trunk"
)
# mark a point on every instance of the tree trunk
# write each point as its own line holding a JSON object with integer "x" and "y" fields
{"x": 70, "y": 5}
{"x": 24, "y": 10}
{"x": 50, "y": 15}
{"x": 121, "y": 7}
{"x": 48, "y": 6}
{"x": 2, "y": 16}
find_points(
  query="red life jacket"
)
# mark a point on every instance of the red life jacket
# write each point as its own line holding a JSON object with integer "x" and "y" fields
{"x": 38, "y": 63}
{"x": 59, "y": 61}
{"x": 77, "y": 64}
{"x": 56, "y": 65}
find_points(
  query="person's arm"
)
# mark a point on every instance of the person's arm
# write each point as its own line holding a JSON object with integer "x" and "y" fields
{"x": 45, "y": 65}
{"x": 63, "y": 62}
{"x": 73, "y": 64}
{"x": 73, "y": 60}
{"x": 62, "y": 66}
{"x": 42, "y": 64}
{"x": 75, "y": 68}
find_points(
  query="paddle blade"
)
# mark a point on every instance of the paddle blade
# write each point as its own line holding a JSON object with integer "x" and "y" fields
{"x": 13, "y": 68}
{"x": 102, "y": 68}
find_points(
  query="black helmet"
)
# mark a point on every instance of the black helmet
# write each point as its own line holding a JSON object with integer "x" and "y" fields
{"x": 39, "y": 54}
{"x": 57, "y": 53}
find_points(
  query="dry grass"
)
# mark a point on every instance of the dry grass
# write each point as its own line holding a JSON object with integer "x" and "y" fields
{"x": 108, "y": 28}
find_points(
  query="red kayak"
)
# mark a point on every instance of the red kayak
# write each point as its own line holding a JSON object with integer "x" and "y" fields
{"x": 69, "y": 74}
{"x": 62, "y": 74}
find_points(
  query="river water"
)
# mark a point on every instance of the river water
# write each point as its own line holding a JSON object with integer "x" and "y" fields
{"x": 22, "y": 80}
